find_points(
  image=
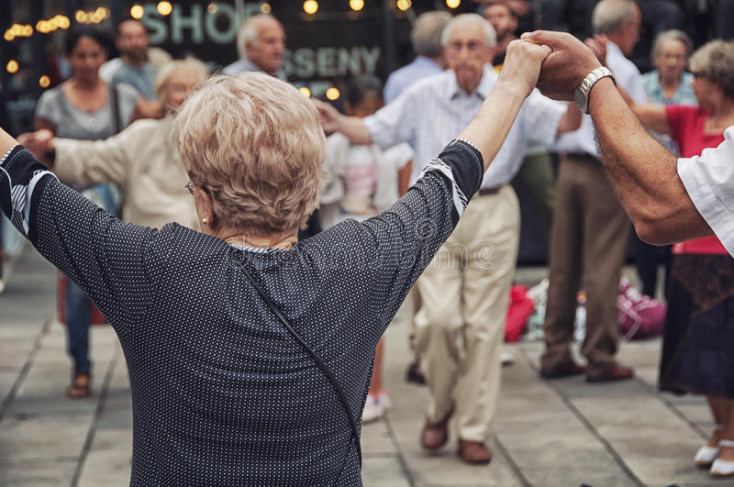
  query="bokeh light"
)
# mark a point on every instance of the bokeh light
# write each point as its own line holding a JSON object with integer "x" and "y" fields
{"x": 310, "y": 7}
{"x": 333, "y": 94}
{"x": 137, "y": 11}
{"x": 164, "y": 8}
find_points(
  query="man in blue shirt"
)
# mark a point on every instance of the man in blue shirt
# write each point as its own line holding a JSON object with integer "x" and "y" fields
{"x": 426, "y": 40}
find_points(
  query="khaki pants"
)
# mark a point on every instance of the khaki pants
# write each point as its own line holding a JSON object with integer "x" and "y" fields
{"x": 460, "y": 325}
{"x": 589, "y": 242}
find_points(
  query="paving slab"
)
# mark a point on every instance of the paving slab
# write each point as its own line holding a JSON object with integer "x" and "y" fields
{"x": 547, "y": 433}
{"x": 38, "y": 473}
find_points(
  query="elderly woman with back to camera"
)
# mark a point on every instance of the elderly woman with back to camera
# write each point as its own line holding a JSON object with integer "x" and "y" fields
{"x": 250, "y": 353}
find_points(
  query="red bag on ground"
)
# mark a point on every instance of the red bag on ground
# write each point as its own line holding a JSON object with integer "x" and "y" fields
{"x": 520, "y": 309}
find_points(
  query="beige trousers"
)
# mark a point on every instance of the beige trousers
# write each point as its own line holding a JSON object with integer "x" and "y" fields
{"x": 460, "y": 325}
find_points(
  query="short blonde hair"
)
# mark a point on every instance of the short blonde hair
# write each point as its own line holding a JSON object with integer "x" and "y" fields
{"x": 165, "y": 72}
{"x": 715, "y": 60}
{"x": 256, "y": 145}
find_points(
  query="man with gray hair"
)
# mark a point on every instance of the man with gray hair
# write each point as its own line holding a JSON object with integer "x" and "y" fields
{"x": 261, "y": 44}
{"x": 590, "y": 227}
{"x": 426, "y": 40}
{"x": 465, "y": 290}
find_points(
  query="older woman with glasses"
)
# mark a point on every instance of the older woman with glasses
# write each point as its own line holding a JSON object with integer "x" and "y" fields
{"x": 250, "y": 353}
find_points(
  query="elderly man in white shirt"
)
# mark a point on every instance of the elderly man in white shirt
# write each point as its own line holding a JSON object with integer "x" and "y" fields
{"x": 590, "y": 227}
{"x": 465, "y": 290}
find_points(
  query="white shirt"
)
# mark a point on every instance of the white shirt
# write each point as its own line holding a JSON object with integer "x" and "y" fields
{"x": 583, "y": 140}
{"x": 709, "y": 181}
{"x": 432, "y": 112}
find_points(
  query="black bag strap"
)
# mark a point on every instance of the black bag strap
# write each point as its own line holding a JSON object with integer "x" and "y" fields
{"x": 321, "y": 365}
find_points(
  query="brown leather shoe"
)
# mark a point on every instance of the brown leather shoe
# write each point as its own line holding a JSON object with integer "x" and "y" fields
{"x": 474, "y": 452}
{"x": 613, "y": 373}
{"x": 435, "y": 435}
{"x": 566, "y": 369}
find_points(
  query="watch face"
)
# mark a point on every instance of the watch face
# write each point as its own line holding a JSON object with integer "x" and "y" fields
{"x": 581, "y": 100}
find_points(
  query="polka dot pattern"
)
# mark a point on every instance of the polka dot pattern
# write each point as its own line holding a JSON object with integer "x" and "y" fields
{"x": 222, "y": 394}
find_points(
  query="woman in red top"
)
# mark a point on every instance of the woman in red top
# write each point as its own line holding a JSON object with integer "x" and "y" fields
{"x": 698, "y": 342}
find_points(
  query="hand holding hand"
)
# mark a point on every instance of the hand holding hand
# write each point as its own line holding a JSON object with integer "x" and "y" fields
{"x": 566, "y": 66}
{"x": 522, "y": 64}
{"x": 39, "y": 143}
{"x": 598, "y": 45}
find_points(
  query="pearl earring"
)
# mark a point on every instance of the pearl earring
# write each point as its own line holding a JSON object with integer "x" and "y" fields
{"x": 204, "y": 221}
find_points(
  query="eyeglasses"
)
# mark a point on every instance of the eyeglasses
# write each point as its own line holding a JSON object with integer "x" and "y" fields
{"x": 190, "y": 187}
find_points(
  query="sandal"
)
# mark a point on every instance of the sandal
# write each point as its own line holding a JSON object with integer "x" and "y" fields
{"x": 80, "y": 386}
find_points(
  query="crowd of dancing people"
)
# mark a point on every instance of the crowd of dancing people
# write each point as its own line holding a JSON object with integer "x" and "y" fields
{"x": 250, "y": 246}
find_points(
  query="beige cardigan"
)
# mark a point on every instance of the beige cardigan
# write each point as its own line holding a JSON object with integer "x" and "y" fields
{"x": 143, "y": 162}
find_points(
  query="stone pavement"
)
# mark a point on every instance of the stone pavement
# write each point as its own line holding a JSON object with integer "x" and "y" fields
{"x": 560, "y": 433}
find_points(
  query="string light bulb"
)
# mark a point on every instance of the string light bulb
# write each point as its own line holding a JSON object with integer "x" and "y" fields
{"x": 310, "y": 7}
{"x": 333, "y": 94}
{"x": 453, "y": 3}
{"x": 356, "y": 5}
{"x": 137, "y": 11}
{"x": 404, "y": 5}
{"x": 164, "y": 8}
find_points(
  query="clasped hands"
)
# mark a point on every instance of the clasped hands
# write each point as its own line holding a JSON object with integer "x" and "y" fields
{"x": 40, "y": 143}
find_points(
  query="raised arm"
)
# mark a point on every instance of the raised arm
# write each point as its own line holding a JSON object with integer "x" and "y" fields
{"x": 517, "y": 79}
{"x": 333, "y": 121}
{"x": 107, "y": 258}
{"x": 652, "y": 115}
{"x": 643, "y": 173}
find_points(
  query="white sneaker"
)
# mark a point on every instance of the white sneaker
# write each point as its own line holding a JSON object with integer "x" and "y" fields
{"x": 375, "y": 407}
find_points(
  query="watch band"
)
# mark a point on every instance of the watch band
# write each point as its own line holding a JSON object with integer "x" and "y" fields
{"x": 583, "y": 92}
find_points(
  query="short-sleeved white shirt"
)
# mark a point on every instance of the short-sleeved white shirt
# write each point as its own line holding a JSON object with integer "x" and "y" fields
{"x": 709, "y": 181}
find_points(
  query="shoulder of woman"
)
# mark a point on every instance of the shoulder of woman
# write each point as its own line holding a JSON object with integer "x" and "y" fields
{"x": 49, "y": 101}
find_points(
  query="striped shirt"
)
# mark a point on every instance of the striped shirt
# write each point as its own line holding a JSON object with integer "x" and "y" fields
{"x": 435, "y": 110}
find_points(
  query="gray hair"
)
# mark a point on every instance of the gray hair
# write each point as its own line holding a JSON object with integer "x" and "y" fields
{"x": 672, "y": 34}
{"x": 608, "y": 15}
{"x": 249, "y": 32}
{"x": 490, "y": 36}
{"x": 167, "y": 70}
{"x": 715, "y": 60}
{"x": 426, "y": 33}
